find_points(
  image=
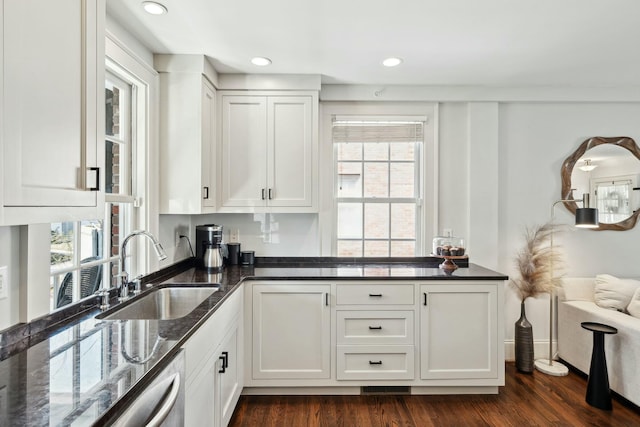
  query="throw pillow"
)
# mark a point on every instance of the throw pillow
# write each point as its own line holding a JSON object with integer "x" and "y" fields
{"x": 634, "y": 306}
{"x": 611, "y": 292}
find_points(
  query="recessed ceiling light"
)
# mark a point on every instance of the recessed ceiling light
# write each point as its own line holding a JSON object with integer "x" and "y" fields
{"x": 154, "y": 8}
{"x": 392, "y": 62}
{"x": 260, "y": 61}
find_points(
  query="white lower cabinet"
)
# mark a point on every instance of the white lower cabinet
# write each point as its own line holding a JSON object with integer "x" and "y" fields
{"x": 375, "y": 340}
{"x": 291, "y": 331}
{"x": 434, "y": 336}
{"x": 214, "y": 374}
{"x": 459, "y": 332}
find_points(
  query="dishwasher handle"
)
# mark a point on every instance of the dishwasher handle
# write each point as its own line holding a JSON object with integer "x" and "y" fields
{"x": 168, "y": 403}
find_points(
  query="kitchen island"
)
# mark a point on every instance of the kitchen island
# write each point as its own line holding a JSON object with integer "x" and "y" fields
{"x": 82, "y": 371}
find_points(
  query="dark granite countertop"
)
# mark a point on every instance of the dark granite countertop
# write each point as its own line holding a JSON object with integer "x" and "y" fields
{"x": 85, "y": 370}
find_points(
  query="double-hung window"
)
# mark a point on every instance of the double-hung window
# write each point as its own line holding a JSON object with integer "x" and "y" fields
{"x": 613, "y": 197}
{"x": 85, "y": 254}
{"x": 378, "y": 196}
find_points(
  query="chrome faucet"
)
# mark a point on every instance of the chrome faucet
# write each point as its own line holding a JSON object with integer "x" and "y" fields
{"x": 124, "y": 277}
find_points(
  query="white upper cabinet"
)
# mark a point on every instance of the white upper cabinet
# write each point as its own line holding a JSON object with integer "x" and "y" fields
{"x": 187, "y": 143}
{"x": 52, "y": 110}
{"x": 268, "y": 152}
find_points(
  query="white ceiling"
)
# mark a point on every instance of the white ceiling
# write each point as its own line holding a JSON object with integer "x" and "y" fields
{"x": 442, "y": 42}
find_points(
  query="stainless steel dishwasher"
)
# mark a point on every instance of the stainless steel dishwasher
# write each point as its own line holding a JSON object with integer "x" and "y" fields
{"x": 161, "y": 403}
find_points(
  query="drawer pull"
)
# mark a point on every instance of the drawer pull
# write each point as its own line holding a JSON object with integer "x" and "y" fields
{"x": 371, "y": 362}
{"x": 375, "y": 327}
{"x": 425, "y": 298}
{"x": 375, "y": 295}
{"x": 225, "y": 357}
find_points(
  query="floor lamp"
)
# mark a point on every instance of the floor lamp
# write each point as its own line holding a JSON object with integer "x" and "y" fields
{"x": 586, "y": 217}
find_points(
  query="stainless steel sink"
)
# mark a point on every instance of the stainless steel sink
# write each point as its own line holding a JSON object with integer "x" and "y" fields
{"x": 163, "y": 304}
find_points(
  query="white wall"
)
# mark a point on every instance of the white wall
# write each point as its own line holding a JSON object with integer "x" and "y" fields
{"x": 269, "y": 234}
{"x": 535, "y": 139}
{"x": 176, "y": 250}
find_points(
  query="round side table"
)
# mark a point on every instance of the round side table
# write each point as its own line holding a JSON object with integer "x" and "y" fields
{"x": 598, "y": 392}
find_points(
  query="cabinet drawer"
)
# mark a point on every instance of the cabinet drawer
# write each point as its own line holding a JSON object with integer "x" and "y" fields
{"x": 375, "y": 327}
{"x": 375, "y": 362}
{"x": 375, "y": 294}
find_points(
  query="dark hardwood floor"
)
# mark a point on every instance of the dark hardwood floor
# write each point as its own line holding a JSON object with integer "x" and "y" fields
{"x": 525, "y": 400}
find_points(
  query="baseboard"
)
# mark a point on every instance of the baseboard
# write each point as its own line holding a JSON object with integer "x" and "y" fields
{"x": 308, "y": 391}
{"x": 540, "y": 349}
{"x": 454, "y": 390}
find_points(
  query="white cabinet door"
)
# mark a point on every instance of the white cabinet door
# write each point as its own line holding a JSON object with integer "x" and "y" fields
{"x": 229, "y": 376}
{"x": 52, "y": 103}
{"x": 211, "y": 395}
{"x": 269, "y": 146}
{"x": 208, "y": 138}
{"x": 459, "y": 331}
{"x": 244, "y": 151}
{"x": 290, "y": 150}
{"x": 200, "y": 396}
{"x": 291, "y": 331}
{"x": 187, "y": 141}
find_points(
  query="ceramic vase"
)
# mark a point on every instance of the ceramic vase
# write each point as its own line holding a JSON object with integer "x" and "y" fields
{"x": 524, "y": 343}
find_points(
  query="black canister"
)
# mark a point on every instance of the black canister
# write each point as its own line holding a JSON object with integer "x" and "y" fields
{"x": 247, "y": 257}
{"x": 233, "y": 253}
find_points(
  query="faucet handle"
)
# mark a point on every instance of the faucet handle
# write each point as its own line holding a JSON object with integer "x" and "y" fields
{"x": 137, "y": 286}
{"x": 104, "y": 294}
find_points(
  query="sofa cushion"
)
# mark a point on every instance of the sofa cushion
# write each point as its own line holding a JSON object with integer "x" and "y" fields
{"x": 634, "y": 306}
{"x": 613, "y": 293}
{"x": 577, "y": 289}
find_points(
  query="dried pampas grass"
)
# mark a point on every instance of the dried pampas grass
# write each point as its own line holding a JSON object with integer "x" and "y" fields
{"x": 536, "y": 262}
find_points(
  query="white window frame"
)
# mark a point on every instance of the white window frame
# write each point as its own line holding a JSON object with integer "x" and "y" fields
{"x": 428, "y": 220}
{"x": 143, "y": 80}
{"x": 417, "y": 200}
{"x": 604, "y": 181}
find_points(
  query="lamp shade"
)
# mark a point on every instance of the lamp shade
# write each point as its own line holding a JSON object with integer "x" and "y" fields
{"x": 587, "y": 218}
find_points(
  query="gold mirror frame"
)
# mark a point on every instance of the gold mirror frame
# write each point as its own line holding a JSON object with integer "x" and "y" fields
{"x": 567, "y": 169}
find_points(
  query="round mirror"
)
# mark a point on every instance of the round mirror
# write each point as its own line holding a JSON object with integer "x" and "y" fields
{"x": 608, "y": 169}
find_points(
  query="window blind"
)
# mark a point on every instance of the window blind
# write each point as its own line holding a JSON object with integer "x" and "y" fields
{"x": 363, "y": 131}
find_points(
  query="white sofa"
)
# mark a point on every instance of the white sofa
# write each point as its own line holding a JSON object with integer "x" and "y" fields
{"x": 576, "y": 304}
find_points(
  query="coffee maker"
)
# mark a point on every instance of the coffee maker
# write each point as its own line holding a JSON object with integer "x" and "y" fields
{"x": 209, "y": 247}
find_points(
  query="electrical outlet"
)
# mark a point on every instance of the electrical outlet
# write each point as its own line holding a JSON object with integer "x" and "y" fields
{"x": 4, "y": 282}
{"x": 234, "y": 235}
